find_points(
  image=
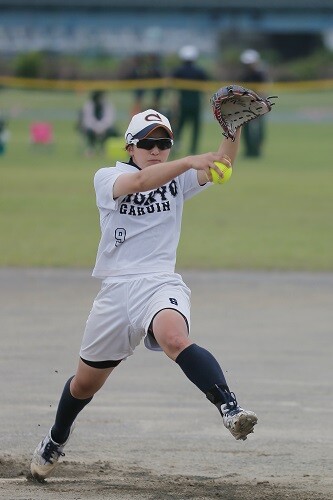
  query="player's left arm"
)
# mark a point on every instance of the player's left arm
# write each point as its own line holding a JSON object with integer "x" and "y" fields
{"x": 228, "y": 150}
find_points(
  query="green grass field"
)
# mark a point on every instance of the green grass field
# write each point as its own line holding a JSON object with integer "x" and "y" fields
{"x": 275, "y": 213}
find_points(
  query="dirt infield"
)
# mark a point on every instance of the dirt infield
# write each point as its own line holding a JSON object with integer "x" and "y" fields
{"x": 150, "y": 434}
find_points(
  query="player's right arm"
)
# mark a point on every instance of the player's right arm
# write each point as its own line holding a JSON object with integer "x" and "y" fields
{"x": 154, "y": 176}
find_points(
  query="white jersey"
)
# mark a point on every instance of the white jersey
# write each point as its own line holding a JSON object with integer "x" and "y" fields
{"x": 140, "y": 232}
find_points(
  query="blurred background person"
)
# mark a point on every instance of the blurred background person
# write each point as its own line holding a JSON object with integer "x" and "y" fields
{"x": 189, "y": 102}
{"x": 97, "y": 121}
{"x": 145, "y": 67}
{"x": 253, "y": 72}
{"x": 4, "y": 134}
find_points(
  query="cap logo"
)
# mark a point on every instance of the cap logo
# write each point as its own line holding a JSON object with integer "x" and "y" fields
{"x": 153, "y": 118}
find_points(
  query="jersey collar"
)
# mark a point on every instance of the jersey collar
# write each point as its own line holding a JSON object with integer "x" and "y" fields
{"x": 131, "y": 162}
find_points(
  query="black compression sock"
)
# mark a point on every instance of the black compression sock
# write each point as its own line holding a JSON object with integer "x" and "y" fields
{"x": 200, "y": 366}
{"x": 68, "y": 409}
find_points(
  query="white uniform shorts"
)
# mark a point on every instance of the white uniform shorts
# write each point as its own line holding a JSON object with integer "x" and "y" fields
{"x": 123, "y": 311}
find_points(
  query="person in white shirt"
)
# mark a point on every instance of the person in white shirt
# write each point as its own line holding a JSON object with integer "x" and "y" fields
{"x": 140, "y": 205}
{"x": 97, "y": 121}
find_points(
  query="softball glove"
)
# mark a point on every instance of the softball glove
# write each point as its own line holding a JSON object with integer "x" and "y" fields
{"x": 235, "y": 105}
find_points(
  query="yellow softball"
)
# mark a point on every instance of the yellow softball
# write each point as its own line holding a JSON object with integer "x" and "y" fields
{"x": 227, "y": 171}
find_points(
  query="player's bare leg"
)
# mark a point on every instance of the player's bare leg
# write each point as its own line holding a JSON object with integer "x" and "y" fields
{"x": 171, "y": 332}
{"x": 200, "y": 366}
{"x": 88, "y": 380}
{"x": 77, "y": 393}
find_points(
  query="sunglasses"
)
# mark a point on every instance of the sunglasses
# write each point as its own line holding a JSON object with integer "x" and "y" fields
{"x": 149, "y": 144}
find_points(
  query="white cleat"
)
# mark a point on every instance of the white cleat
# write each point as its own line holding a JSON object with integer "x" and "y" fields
{"x": 46, "y": 456}
{"x": 238, "y": 421}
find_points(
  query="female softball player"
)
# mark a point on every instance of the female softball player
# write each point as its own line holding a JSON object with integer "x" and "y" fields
{"x": 140, "y": 205}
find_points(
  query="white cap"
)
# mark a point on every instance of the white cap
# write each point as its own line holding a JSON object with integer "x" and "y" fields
{"x": 188, "y": 53}
{"x": 250, "y": 56}
{"x": 143, "y": 123}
